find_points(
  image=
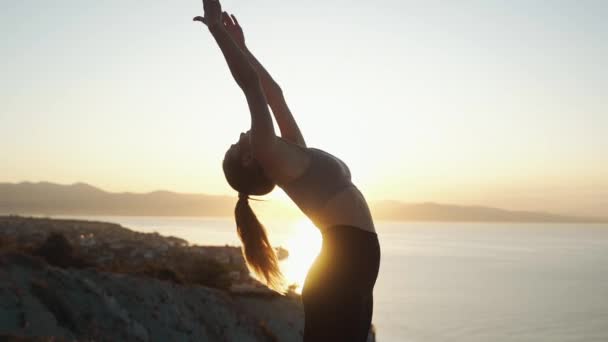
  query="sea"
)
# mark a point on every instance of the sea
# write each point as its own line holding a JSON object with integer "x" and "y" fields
{"x": 455, "y": 281}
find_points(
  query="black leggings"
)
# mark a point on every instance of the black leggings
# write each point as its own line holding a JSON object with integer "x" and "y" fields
{"x": 337, "y": 294}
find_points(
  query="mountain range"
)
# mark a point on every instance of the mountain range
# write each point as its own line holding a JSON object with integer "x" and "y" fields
{"x": 46, "y": 198}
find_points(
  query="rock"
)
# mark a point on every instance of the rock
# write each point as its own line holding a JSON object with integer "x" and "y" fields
{"x": 91, "y": 305}
{"x": 61, "y": 281}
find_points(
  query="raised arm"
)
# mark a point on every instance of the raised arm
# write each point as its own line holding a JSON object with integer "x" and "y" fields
{"x": 263, "y": 137}
{"x": 273, "y": 92}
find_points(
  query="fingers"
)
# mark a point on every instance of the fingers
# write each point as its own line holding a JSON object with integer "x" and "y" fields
{"x": 212, "y": 6}
{"x": 213, "y": 13}
{"x": 199, "y": 18}
{"x": 230, "y": 20}
{"x": 236, "y": 22}
{"x": 227, "y": 19}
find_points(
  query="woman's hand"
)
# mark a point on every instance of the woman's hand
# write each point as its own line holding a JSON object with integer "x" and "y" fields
{"x": 234, "y": 29}
{"x": 213, "y": 13}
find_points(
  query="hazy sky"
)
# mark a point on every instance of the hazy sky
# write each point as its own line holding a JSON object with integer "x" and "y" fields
{"x": 500, "y": 103}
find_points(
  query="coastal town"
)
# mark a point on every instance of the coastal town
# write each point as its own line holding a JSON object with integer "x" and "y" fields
{"x": 111, "y": 247}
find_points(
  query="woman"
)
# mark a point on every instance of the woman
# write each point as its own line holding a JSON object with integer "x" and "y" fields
{"x": 337, "y": 293}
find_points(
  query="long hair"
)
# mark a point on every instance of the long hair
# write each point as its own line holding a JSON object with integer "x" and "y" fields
{"x": 257, "y": 250}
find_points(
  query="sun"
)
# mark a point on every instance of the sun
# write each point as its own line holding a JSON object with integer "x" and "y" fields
{"x": 303, "y": 245}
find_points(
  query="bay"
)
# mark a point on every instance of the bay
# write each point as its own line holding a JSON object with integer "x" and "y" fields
{"x": 462, "y": 281}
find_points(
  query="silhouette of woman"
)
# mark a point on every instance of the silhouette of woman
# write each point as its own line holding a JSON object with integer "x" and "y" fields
{"x": 337, "y": 293}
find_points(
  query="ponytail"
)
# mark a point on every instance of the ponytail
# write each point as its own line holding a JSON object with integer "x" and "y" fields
{"x": 258, "y": 252}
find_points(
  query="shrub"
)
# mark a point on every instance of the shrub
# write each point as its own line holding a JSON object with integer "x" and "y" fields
{"x": 58, "y": 251}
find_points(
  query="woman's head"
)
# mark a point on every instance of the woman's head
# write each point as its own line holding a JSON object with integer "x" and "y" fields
{"x": 243, "y": 172}
{"x": 245, "y": 175}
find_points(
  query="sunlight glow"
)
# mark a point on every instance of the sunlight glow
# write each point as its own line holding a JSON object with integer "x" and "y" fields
{"x": 303, "y": 246}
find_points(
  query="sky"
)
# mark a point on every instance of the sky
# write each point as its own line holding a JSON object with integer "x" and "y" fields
{"x": 467, "y": 102}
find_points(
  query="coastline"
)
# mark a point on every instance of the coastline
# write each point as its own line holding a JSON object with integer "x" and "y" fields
{"x": 103, "y": 281}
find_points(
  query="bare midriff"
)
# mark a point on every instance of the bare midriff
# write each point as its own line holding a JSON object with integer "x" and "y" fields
{"x": 349, "y": 208}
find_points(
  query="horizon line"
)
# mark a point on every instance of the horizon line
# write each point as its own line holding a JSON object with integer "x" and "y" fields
{"x": 396, "y": 201}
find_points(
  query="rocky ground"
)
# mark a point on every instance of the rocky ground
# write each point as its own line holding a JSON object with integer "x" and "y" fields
{"x": 94, "y": 281}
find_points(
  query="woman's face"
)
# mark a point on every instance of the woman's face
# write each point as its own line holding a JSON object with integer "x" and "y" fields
{"x": 241, "y": 149}
{"x": 242, "y": 171}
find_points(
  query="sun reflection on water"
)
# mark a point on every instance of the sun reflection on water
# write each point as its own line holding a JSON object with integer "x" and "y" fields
{"x": 303, "y": 245}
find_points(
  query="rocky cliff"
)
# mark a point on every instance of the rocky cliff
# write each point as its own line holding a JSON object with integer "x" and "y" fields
{"x": 55, "y": 282}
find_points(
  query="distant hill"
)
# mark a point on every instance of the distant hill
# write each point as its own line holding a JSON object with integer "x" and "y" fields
{"x": 393, "y": 210}
{"x": 82, "y": 199}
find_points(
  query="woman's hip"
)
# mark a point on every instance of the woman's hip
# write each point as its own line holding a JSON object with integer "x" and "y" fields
{"x": 349, "y": 261}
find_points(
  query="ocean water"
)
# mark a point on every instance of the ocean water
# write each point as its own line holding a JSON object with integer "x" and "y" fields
{"x": 459, "y": 281}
